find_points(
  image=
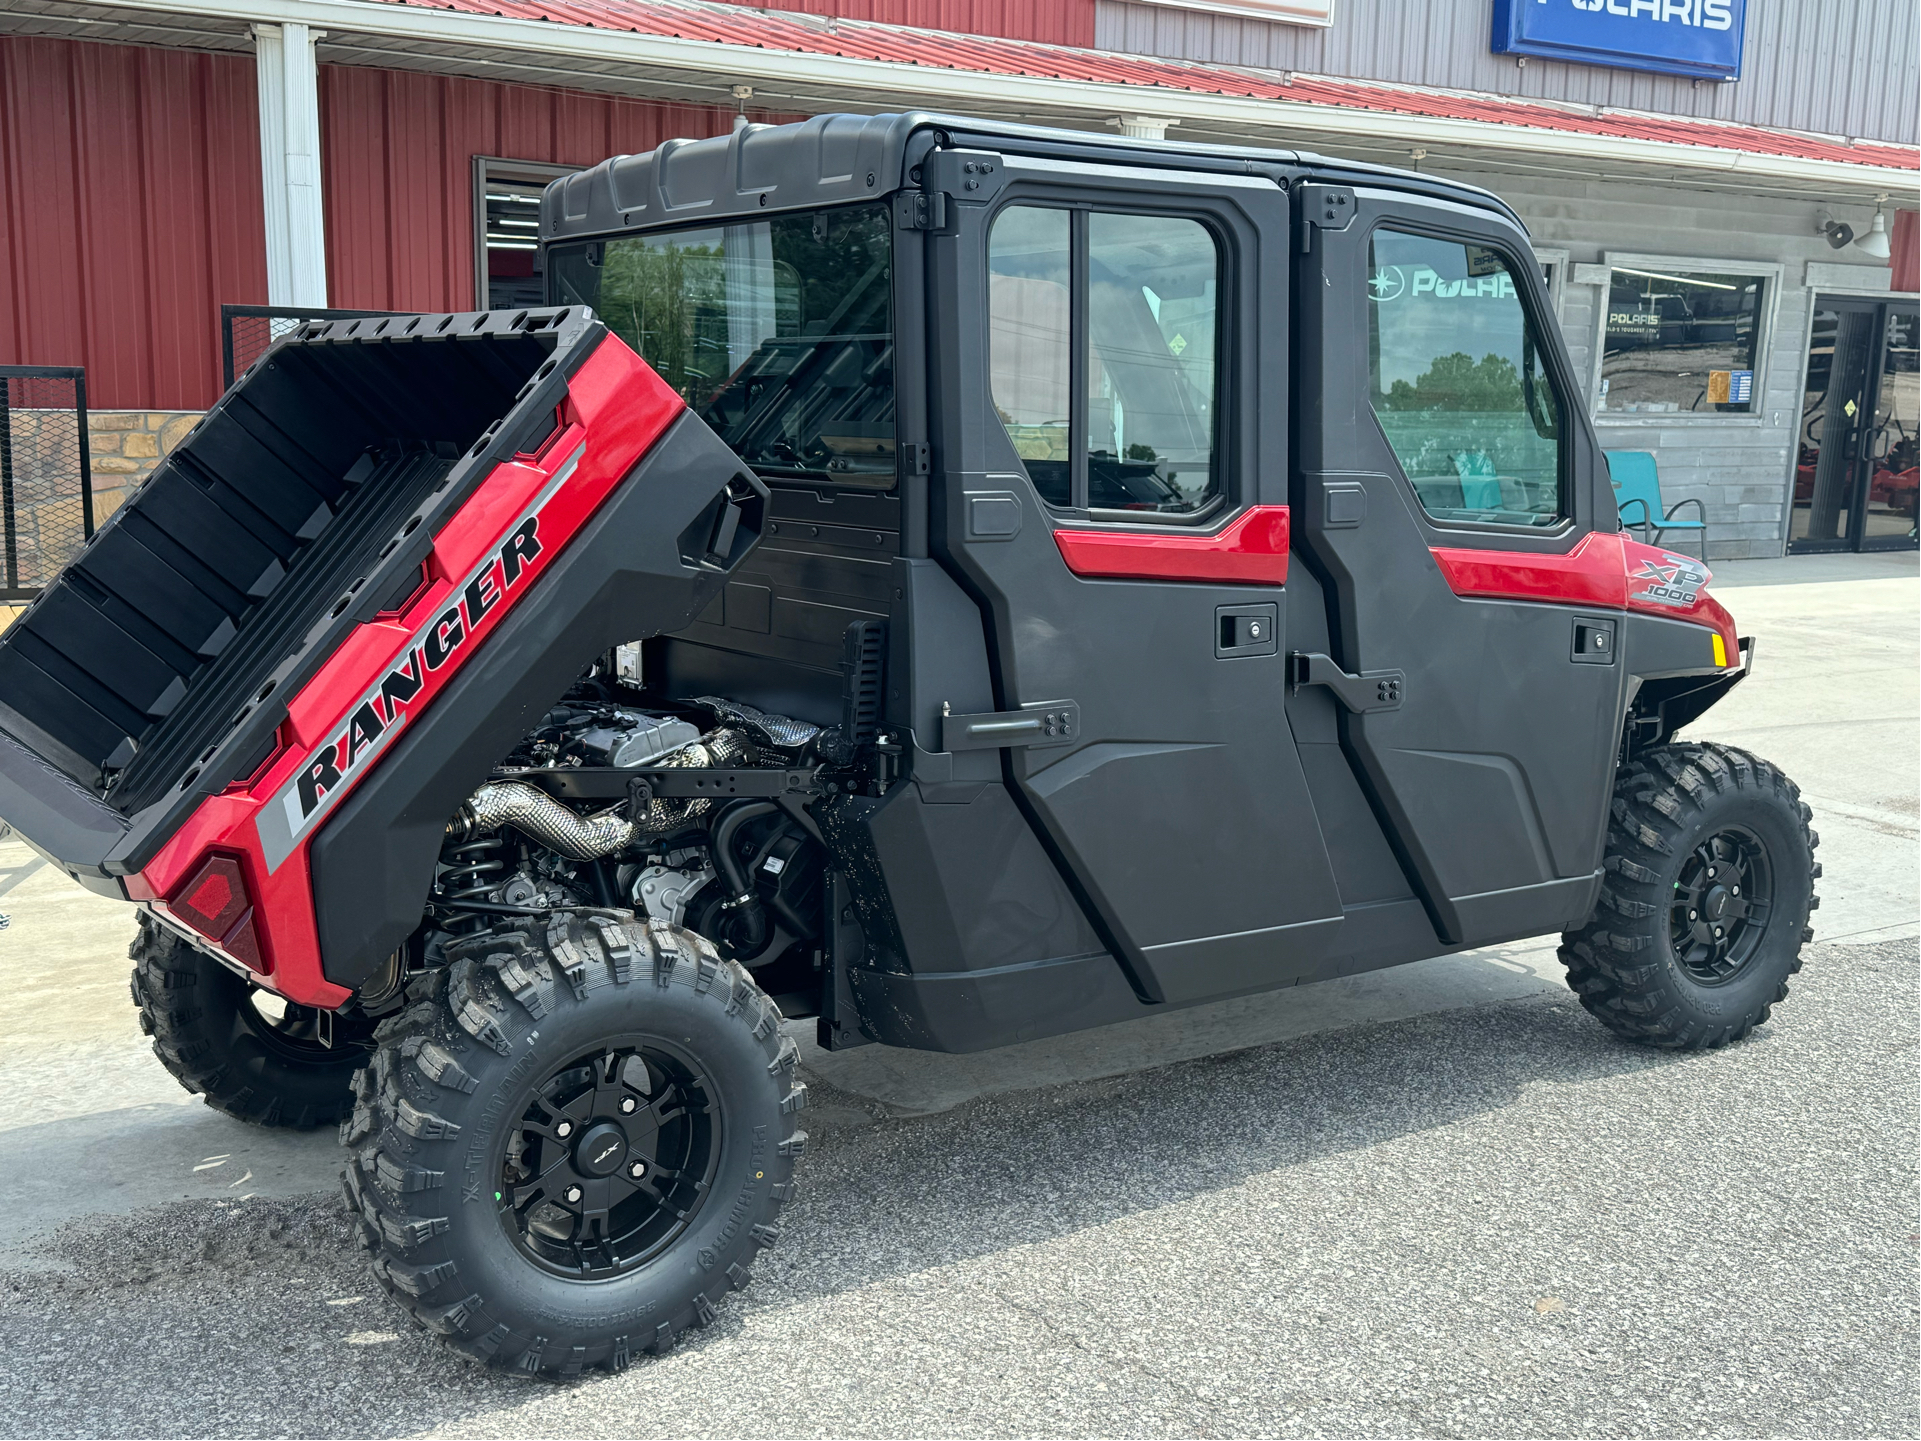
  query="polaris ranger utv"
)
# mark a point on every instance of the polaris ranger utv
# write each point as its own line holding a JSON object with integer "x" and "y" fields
{"x": 961, "y": 582}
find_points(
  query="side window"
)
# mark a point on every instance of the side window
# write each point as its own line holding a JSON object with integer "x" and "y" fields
{"x": 1145, "y": 291}
{"x": 1457, "y": 381}
{"x": 1028, "y": 302}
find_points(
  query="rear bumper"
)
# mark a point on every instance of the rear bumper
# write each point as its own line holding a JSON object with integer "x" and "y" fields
{"x": 76, "y": 831}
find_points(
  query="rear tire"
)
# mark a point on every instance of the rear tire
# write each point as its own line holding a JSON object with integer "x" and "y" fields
{"x": 241, "y": 1048}
{"x": 245, "y": 1051}
{"x": 493, "y": 1150}
{"x": 1704, "y": 907}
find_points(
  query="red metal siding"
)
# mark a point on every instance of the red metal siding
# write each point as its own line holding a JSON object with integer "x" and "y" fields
{"x": 1905, "y": 260}
{"x": 1057, "y": 22}
{"x": 129, "y": 211}
{"x": 399, "y": 150}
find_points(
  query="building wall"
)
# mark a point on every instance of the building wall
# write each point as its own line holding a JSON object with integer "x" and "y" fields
{"x": 1057, "y": 22}
{"x": 1738, "y": 466}
{"x": 129, "y": 211}
{"x": 1840, "y": 69}
{"x": 397, "y": 164}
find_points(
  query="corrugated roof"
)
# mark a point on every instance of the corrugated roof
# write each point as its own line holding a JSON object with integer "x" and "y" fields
{"x": 869, "y": 40}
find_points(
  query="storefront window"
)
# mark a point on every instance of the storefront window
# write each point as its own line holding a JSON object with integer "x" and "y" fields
{"x": 1681, "y": 343}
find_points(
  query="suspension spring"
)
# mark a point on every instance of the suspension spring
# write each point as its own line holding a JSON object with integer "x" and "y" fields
{"x": 470, "y": 875}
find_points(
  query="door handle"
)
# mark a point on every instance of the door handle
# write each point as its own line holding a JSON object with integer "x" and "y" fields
{"x": 1371, "y": 690}
{"x": 1038, "y": 723}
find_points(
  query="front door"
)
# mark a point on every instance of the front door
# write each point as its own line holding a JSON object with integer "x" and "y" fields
{"x": 1446, "y": 499}
{"x": 1855, "y": 477}
{"x": 1110, "y": 487}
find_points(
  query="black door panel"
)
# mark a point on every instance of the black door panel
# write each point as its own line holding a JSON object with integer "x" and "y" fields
{"x": 1491, "y": 778}
{"x": 1181, "y": 815}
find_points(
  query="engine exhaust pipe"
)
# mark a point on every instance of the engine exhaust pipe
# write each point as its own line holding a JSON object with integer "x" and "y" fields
{"x": 544, "y": 819}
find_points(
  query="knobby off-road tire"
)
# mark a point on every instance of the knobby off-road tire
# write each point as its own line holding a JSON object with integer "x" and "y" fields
{"x": 1704, "y": 907}
{"x": 206, "y": 1029}
{"x": 504, "y": 1107}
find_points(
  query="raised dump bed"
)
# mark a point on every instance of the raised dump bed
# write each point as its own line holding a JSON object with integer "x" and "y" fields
{"x": 155, "y": 671}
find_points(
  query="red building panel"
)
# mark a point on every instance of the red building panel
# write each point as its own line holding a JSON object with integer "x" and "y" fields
{"x": 398, "y": 152}
{"x": 129, "y": 212}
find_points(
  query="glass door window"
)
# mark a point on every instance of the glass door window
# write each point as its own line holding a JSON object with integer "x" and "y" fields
{"x": 1893, "y": 437}
{"x": 1855, "y": 478}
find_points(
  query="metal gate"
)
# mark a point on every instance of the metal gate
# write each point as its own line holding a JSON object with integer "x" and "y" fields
{"x": 46, "y": 483}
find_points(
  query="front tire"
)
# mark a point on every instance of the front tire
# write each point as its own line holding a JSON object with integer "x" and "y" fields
{"x": 1704, "y": 907}
{"x": 573, "y": 1141}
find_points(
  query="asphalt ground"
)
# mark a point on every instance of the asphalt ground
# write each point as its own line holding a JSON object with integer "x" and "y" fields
{"x": 1434, "y": 1200}
{"x": 1490, "y": 1221}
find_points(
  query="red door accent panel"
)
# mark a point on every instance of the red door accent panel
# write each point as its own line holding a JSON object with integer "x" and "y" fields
{"x": 1251, "y": 551}
{"x": 1604, "y": 570}
{"x": 1593, "y": 573}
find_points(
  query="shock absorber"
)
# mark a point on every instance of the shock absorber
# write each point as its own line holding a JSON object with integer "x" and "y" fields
{"x": 471, "y": 872}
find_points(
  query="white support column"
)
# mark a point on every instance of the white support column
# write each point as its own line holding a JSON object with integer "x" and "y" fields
{"x": 290, "y": 164}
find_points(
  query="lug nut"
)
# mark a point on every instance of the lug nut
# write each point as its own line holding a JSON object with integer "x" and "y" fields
{"x": 1735, "y": 890}
{"x": 628, "y": 1104}
{"x": 1717, "y": 933}
{"x": 573, "y": 1194}
{"x": 637, "y": 1169}
{"x": 1694, "y": 915}
{"x": 564, "y": 1129}
{"x": 1710, "y": 872}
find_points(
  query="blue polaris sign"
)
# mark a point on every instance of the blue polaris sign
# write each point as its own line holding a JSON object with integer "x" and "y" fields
{"x": 1697, "y": 38}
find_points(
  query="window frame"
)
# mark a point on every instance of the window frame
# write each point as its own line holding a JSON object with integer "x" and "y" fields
{"x": 1771, "y": 272}
{"x": 1080, "y": 205}
{"x": 514, "y": 172}
{"x": 1533, "y": 298}
{"x": 1557, "y": 257}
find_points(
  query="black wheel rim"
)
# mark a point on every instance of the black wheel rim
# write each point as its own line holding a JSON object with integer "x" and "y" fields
{"x": 292, "y": 1031}
{"x": 1723, "y": 898}
{"x": 610, "y": 1161}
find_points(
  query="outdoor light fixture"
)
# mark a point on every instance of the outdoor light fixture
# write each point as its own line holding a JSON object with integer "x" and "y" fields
{"x": 1840, "y": 234}
{"x": 1875, "y": 242}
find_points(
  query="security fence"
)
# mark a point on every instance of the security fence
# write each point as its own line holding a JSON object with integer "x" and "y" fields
{"x": 46, "y": 483}
{"x": 247, "y": 330}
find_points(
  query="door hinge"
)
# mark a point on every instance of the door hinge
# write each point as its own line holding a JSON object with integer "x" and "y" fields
{"x": 916, "y": 458}
{"x": 920, "y": 210}
{"x": 1371, "y": 690}
{"x": 1323, "y": 207}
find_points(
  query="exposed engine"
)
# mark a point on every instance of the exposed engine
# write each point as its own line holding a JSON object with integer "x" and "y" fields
{"x": 746, "y": 873}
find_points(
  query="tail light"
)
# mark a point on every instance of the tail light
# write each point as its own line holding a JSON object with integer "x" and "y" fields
{"x": 215, "y": 903}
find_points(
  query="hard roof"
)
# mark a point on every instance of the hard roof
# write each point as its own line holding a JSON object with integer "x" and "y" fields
{"x": 838, "y": 159}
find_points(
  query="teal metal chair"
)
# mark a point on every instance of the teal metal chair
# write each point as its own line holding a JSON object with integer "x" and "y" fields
{"x": 1637, "y": 490}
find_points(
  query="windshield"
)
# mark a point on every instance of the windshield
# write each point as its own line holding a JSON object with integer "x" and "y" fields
{"x": 778, "y": 333}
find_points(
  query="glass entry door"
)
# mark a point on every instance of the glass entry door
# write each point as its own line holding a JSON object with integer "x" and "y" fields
{"x": 1855, "y": 481}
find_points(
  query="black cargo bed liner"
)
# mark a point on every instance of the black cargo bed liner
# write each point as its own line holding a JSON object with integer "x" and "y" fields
{"x": 152, "y": 670}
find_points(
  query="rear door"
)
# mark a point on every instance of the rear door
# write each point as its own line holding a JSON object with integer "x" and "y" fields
{"x": 1110, "y": 443}
{"x": 1445, "y": 495}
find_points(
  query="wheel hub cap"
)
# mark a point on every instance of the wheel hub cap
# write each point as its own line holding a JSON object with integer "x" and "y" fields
{"x": 601, "y": 1150}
